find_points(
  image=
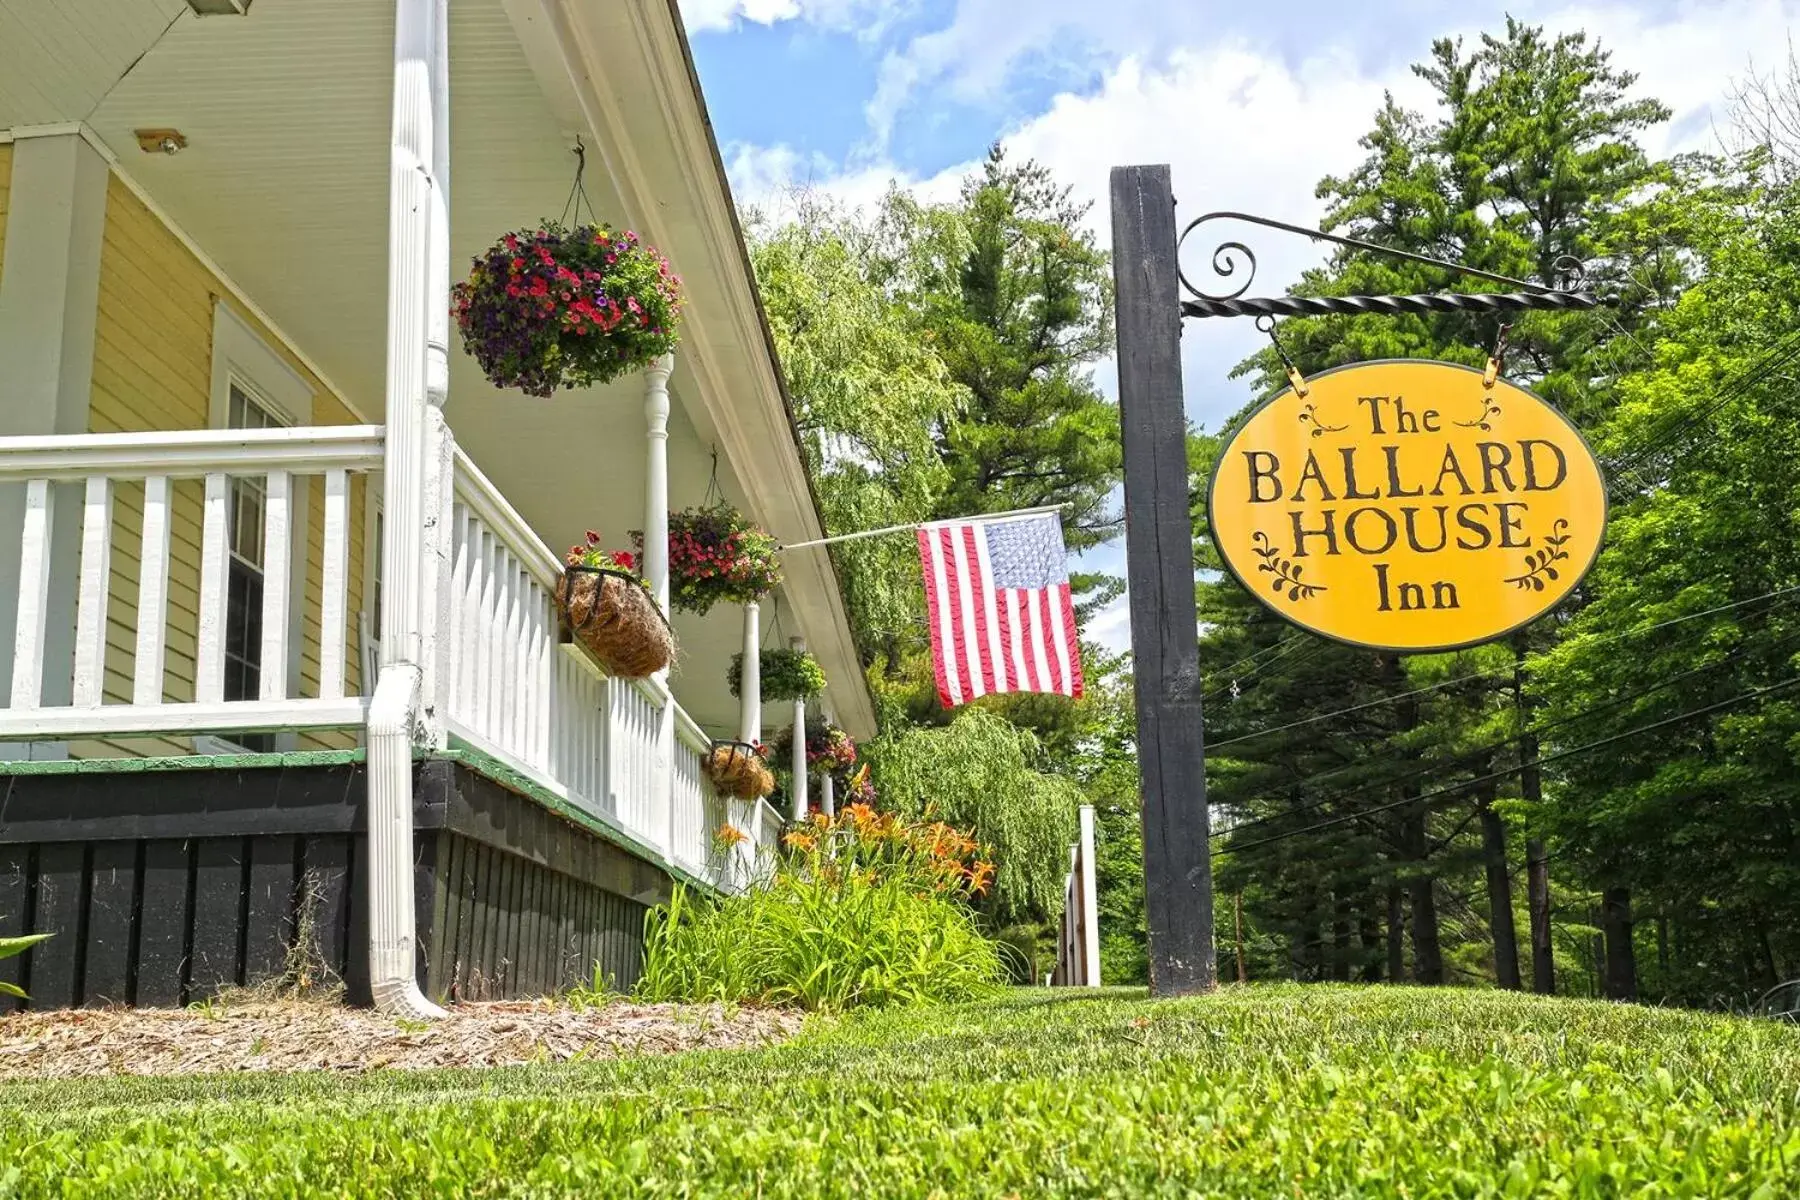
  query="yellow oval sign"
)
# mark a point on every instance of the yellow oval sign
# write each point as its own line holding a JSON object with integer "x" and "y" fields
{"x": 1408, "y": 506}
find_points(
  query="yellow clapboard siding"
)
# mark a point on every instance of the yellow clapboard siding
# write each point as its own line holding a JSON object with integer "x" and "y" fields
{"x": 153, "y": 371}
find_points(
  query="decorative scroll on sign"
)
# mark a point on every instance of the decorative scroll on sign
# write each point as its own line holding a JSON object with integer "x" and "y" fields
{"x": 1409, "y": 506}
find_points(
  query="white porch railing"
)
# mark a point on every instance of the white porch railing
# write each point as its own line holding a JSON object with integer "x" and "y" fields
{"x": 501, "y": 682}
{"x": 1078, "y": 941}
{"x": 104, "y": 472}
{"x": 619, "y": 749}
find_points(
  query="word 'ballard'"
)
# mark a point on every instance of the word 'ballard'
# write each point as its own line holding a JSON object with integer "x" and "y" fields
{"x": 1408, "y": 506}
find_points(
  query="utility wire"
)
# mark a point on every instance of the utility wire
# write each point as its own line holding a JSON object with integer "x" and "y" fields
{"x": 1480, "y": 752}
{"x": 1503, "y": 670}
{"x": 1542, "y": 760}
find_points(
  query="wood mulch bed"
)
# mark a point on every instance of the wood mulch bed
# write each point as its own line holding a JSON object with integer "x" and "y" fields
{"x": 318, "y": 1036}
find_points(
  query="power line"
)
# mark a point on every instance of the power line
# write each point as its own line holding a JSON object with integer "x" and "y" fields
{"x": 1542, "y": 760}
{"x": 1481, "y": 752}
{"x": 1786, "y": 348}
{"x": 1295, "y": 643}
{"x": 1507, "y": 669}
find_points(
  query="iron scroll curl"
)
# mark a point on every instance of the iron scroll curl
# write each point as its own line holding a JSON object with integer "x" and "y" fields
{"x": 1232, "y": 257}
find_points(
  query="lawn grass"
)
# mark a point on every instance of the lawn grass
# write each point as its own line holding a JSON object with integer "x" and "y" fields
{"x": 1266, "y": 1091}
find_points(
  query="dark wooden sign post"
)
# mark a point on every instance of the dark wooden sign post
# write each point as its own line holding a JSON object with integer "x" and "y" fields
{"x": 1159, "y": 534}
{"x": 1159, "y": 548}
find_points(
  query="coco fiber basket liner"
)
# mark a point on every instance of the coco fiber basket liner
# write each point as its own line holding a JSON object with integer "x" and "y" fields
{"x": 613, "y": 616}
{"x": 734, "y": 768}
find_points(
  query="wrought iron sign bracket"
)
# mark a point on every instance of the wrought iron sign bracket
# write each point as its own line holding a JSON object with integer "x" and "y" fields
{"x": 1229, "y": 257}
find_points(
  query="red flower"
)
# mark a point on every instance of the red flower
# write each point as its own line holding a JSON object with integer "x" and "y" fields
{"x": 626, "y": 559}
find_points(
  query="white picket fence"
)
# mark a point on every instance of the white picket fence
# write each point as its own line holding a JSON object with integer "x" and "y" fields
{"x": 1078, "y": 938}
{"x": 500, "y": 682}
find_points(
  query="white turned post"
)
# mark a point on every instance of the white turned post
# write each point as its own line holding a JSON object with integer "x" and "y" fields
{"x": 656, "y": 573}
{"x": 828, "y": 794}
{"x": 656, "y": 475}
{"x": 750, "y": 678}
{"x": 417, "y": 285}
{"x": 799, "y": 760}
{"x": 1090, "y": 903}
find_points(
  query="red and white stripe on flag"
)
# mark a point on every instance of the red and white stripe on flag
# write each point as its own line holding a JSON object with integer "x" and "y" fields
{"x": 1001, "y": 612}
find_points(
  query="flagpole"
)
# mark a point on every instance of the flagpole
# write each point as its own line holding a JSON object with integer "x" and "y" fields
{"x": 1017, "y": 514}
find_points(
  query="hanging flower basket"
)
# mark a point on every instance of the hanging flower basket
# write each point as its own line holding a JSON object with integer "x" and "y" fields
{"x": 786, "y": 675}
{"x": 557, "y": 307}
{"x": 608, "y": 608}
{"x": 716, "y": 554}
{"x": 739, "y": 769}
{"x": 828, "y": 748}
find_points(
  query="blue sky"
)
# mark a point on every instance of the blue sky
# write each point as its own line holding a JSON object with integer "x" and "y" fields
{"x": 1251, "y": 103}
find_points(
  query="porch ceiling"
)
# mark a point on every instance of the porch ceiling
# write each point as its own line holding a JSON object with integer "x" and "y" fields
{"x": 284, "y": 184}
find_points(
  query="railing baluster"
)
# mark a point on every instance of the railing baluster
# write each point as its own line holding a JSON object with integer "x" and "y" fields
{"x": 511, "y": 668}
{"x": 277, "y": 575}
{"x": 458, "y": 632}
{"x": 334, "y": 587}
{"x": 546, "y": 692}
{"x": 34, "y": 595}
{"x": 484, "y": 635}
{"x": 209, "y": 658}
{"x": 91, "y": 594}
{"x": 153, "y": 594}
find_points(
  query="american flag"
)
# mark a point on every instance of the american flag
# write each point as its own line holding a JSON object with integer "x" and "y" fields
{"x": 1002, "y": 615}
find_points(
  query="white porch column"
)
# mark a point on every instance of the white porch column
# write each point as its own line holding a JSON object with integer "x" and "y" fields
{"x": 656, "y": 476}
{"x": 750, "y": 678}
{"x": 418, "y": 239}
{"x": 49, "y": 300}
{"x": 799, "y": 759}
{"x": 656, "y": 573}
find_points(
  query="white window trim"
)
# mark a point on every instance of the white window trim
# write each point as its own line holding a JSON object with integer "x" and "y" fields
{"x": 240, "y": 354}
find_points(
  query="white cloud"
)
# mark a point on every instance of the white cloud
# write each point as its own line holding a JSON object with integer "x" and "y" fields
{"x": 868, "y": 19}
{"x": 763, "y": 176}
{"x": 1111, "y": 626}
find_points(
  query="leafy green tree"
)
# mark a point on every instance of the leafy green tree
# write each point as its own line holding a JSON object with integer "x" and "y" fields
{"x": 868, "y": 396}
{"x": 1696, "y": 825}
{"x": 981, "y": 773}
{"x": 1013, "y": 292}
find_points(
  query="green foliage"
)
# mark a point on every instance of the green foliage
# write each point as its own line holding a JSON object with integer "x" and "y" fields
{"x": 1016, "y": 295}
{"x": 9, "y": 948}
{"x": 786, "y": 674}
{"x": 1281, "y": 1091}
{"x": 863, "y": 911}
{"x": 867, "y": 392}
{"x": 981, "y": 772}
{"x": 1700, "y": 820}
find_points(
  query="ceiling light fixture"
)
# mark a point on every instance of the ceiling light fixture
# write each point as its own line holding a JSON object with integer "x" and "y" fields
{"x": 219, "y": 8}
{"x": 161, "y": 141}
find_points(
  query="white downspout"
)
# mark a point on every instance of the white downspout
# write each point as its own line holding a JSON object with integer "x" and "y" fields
{"x": 415, "y": 205}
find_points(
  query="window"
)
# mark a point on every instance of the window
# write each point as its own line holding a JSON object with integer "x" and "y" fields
{"x": 253, "y": 387}
{"x": 244, "y": 585}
